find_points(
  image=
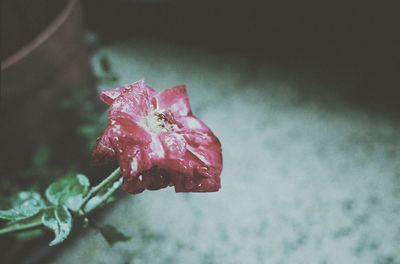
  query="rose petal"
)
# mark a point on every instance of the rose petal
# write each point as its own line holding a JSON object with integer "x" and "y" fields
{"x": 121, "y": 132}
{"x": 134, "y": 162}
{"x": 159, "y": 179}
{"x": 196, "y": 183}
{"x": 191, "y": 175}
{"x": 109, "y": 96}
{"x": 134, "y": 100}
{"x": 191, "y": 123}
{"x": 103, "y": 150}
{"x": 174, "y": 145}
{"x": 174, "y": 99}
{"x": 124, "y": 131}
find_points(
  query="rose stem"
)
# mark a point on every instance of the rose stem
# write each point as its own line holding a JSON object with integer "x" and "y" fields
{"x": 96, "y": 189}
{"x": 98, "y": 202}
{"x": 20, "y": 227}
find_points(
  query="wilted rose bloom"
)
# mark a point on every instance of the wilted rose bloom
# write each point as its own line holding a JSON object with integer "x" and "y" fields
{"x": 157, "y": 140}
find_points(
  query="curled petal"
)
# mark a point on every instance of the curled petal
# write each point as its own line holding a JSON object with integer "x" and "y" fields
{"x": 133, "y": 100}
{"x": 185, "y": 184}
{"x": 103, "y": 150}
{"x": 194, "y": 175}
{"x": 159, "y": 178}
{"x": 203, "y": 145}
{"x": 174, "y": 99}
{"x": 195, "y": 183}
{"x": 205, "y": 150}
{"x": 191, "y": 123}
{"x": 109, "y": 96}
{"x": 134, "y": 162}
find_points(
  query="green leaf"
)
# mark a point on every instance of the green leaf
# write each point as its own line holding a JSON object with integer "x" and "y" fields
{"x": 24, "y": 205}
{"x": 59, "y": 220}
{"x": 22, "y": 224}
{"x": 111, "y": 234}
{"x": 69, "y": 191}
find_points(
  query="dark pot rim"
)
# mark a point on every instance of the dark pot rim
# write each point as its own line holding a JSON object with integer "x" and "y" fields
{"x": 41, "y": 38}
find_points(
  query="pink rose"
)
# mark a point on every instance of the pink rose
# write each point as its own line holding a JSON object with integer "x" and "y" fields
{"x": 157, "y": 140}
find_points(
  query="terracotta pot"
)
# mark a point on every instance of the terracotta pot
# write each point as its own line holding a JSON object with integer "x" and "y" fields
{"x": 47, "y": 59}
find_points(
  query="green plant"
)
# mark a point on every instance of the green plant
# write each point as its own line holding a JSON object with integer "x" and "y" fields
{"x": 67, "y": 198}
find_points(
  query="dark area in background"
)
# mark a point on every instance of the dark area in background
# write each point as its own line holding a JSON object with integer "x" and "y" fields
{"x": 24, "y": 27}
{"x": 360, "y": 38}
{"x": 44, "y": 64}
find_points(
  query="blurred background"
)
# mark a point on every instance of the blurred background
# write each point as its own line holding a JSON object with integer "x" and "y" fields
{"x": 304, "y": 97}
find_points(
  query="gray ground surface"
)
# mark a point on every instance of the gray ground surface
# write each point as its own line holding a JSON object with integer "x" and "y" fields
{"x": 305, "y": 179}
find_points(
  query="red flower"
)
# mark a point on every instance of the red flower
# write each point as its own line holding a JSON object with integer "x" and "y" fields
{"x": 157, "y": 140}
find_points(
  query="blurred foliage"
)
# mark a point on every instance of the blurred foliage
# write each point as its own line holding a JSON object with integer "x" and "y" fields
{"x": 62, "y": 198}
{"x": 110, "y": 233}
{"x": 40, "y": 173}
{"x": 50, "y": 177}
{"x": 41, "y": 157}
{"x": 32, "y": 213}
{"x": 91, "y": 120}
{"x": 107, "y": 75}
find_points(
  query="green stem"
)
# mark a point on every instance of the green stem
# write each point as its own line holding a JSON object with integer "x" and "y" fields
{"x": 20, "y": 227}
{"x": 94, "y": 203}
{"x": 96, "y": 189}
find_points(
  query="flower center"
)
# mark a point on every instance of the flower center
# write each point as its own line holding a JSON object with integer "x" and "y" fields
{"x": 158, "y": 121}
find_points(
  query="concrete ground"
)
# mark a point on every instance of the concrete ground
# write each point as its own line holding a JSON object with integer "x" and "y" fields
{"x": 306, "y": 179}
